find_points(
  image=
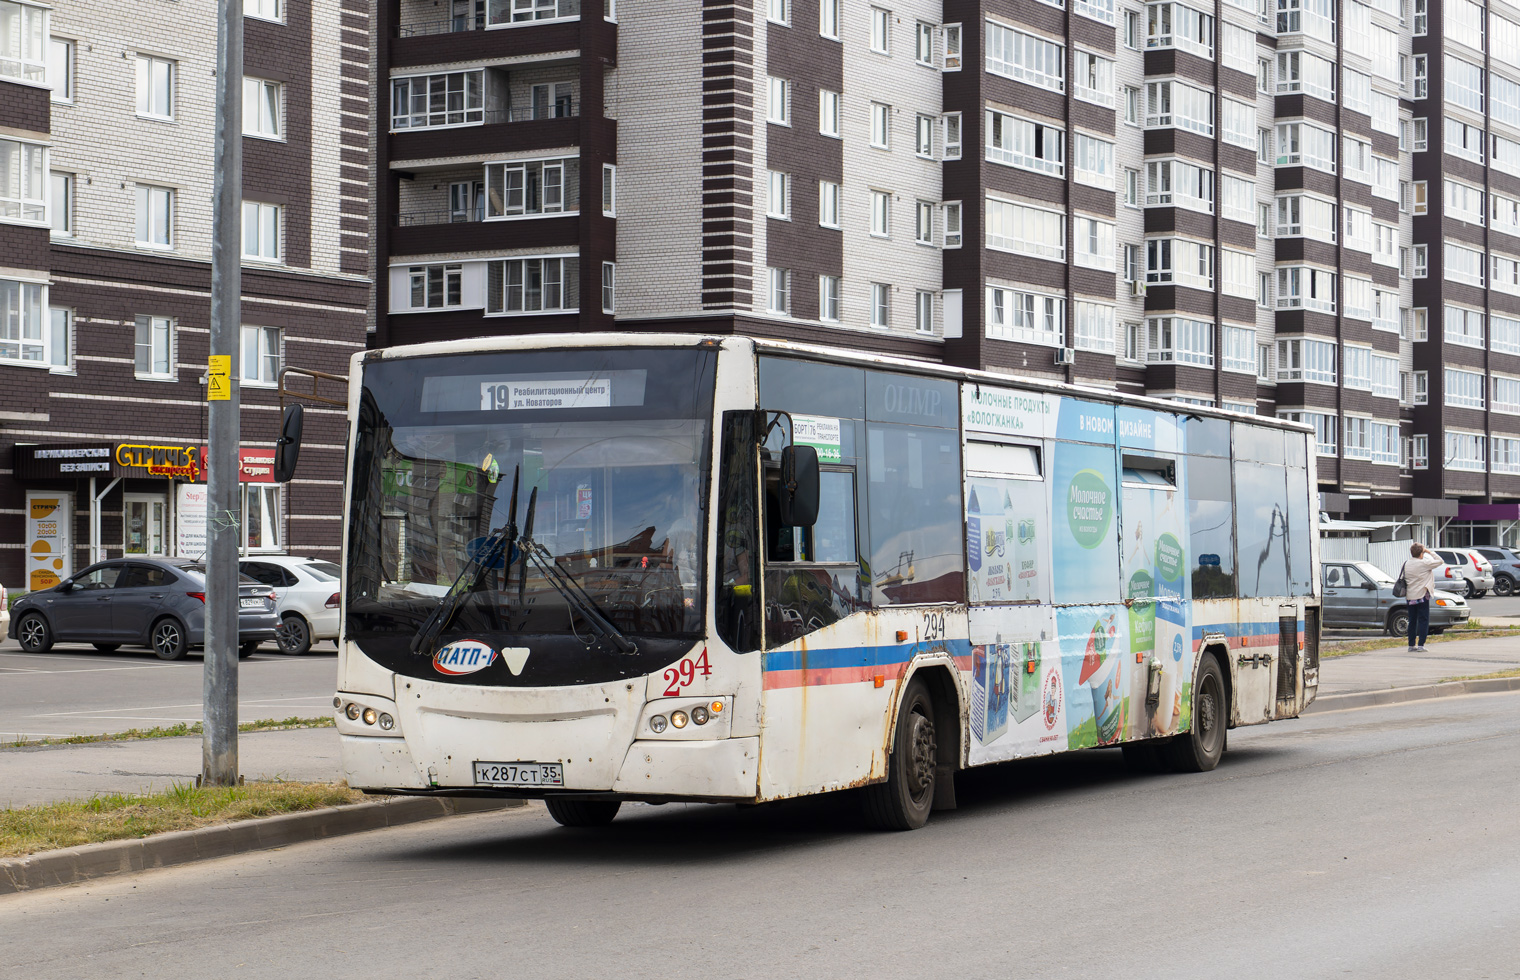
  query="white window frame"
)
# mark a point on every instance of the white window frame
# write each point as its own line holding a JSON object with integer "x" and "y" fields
{"x": 263, "y": 108}
{"x": 263, "y": 354}
{"x": 266, "y": 234}
{"x": 153, "y": 359}
{"x": 155, "y": 217}
{"x": 155, "y": 100}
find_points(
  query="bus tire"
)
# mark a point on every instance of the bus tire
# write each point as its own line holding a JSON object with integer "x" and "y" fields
{"x": 1200, "y": 748}
{"x": 582, "y": 813}
{"x": 903, "y": 802}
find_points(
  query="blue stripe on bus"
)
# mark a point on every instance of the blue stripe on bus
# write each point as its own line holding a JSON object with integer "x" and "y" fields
{"x": 828, "y": 658}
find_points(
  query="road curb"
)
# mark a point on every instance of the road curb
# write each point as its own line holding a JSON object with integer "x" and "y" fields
{"x": 1398, "y": 695}
{"x": 77, "y": 864}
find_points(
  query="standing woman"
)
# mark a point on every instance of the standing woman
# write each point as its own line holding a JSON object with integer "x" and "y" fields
{"x": 1419, "y": 574}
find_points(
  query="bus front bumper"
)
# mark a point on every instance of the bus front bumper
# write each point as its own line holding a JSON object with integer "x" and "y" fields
{"x": 725, "y": 769}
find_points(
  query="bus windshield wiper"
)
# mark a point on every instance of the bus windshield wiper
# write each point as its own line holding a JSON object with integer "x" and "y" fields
{"x": 575, "y": 596}
{"x": 481, "y": 561}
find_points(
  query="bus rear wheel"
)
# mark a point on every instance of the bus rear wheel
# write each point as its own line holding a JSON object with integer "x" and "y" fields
{"x": 903, "y": 802}
{"x": 582, "y": 813}
{"x": 1200, "y": 749}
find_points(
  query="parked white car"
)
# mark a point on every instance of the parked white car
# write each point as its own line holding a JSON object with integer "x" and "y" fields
{"x": 5, "y": 610}
{"x": 307, "y": 595}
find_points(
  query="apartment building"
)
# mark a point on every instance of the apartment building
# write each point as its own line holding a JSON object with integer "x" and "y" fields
{"x": 1229, "y": 203}
{"x": 106, "y": 144}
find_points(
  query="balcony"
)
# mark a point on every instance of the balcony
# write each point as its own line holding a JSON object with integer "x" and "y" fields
{"x": 443, "y": 232}
{"x": 479, "y": 29}
{"x": 517, "y": 128}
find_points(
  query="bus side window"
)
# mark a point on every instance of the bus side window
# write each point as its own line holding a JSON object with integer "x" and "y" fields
{"x": 830, "y": 541}
{"x": 737, "y": 599}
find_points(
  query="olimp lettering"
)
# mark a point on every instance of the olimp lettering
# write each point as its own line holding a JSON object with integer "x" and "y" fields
{"x": 908, "y": 400}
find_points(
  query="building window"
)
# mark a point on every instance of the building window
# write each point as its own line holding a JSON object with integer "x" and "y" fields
{"x": 1021, "y": 315}
{"x": 1134, "y": 341}
{"x": 1421, "y": 261}
{"x": 1421, "y": 135}
{"x": 881, "y": 212}
{"x": 1301, "y": 287}
{"x": 62, "y": 205}
{"x": 923, "y": 316}
{"x": 23, "y": 182}
{"x": 262, "y": 9}
{"x": 60, "y": 339}
{"x": 779, "y": 291}
{"x": 438, "y": 101}
{"x": 436, "y": 287}
{"x": 952, "y": 47}
{"x": 23, "y": 31}
{"x": 1094, "y": 240}
{"x": 60, "y": 69}
{"x": 828, "y": 298}
{"x": 1304, "y": 359}
{"x": 1177, "y": 104}
{"x": 881, "y": 124}
{"x": 923, "y": 137}
{"x": 1264, "y": 290}
{"x": 952, "y": 210}
{"x": 261, "y": 108}
{"x": 1239, "y": 349}
{"x": 532, "y": 187}
{"x": 1421, "y": 388}
{"x": 532, "y": 285}
{"x": 1464, "y": 389}
{"x": 1020, "y": 228}
{"x": 609, "y": 190}
{"x": 1179, "y": 261}
{"x": 1465, "y": 451}
{"x": 828, "y": 112}
{"x": 923, "y": 44}
{"x": 881, "y": 30}
{"x": 523, "y": 11}
{"x": 1132, "y": 105}
{"x": 828, "y": 204}
{"x": 952, "y": 141}
{"x": 1132, "y": 263}
{"x": 828, "y": 19}
{"x": 1025, "y": 57}
{"x": 261, "y": 232}
{"x": 155, "y": 87}
{"x": 1263, "y": 75}
{"x": 155, "y": 216}
{"x": 778, "y": 202}
{"x": 1263, "y": 362}
{"x": 154, "y": 347}
{"x": 881, "y": 304}
{"x": 1172, "y": 25}
{"x": 923, "y": 223}
{"x": 1132, "y": 29}
{"x": 22, "y": 306}
{"x": 261, "y": 356}
{"x": 1179, "y": 183}
{"x": 1025, "y": 144}
{"x": 778, "y": 102}
{"x": 1093, "y": 327}
{"x": 1131, "y": 187}
{"x": 779, "y": 12}
{"x": 1094, "y": 77}
{"x": 1179, "y": 339}
{"x": 1094, "y": 159}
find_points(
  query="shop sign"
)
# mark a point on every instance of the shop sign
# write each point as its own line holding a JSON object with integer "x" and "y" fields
{"x": 64, "y": 462}
{"x": 190, "y": 520}
{"x": 48, "y": 526}
{"x": 177, "y": 461}
{"x": 254, "y": 465}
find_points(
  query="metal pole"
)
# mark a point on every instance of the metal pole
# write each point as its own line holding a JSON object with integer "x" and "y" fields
{"x": 219, "y": 761}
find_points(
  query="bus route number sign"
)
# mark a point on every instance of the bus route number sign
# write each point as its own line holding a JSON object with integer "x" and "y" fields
{"x": 684, "y": 673}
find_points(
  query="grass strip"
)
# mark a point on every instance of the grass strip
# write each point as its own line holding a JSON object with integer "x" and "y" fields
{"x": 1331, "y": 649}
{"x": 1512, "y": 672}
{"x": 171, "y": 731}
{"x": 183, "y": 806}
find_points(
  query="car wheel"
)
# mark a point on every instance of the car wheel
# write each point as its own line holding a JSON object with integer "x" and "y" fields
{"x": 1398, "y": 623}
{"x": 293, "y": 635}
{"x": 34, "y": 634}
{"x": 1481, "y": 593}
{"x": 903, "y": 802}
{"x": 1468, "y": 591}
{"x": 1202, "y": 746}
{"x": 107, "y": 647}
{"x": 1504, "y": 585}
{"x": 248, "y": 649}
{"x": 169, "y": 640}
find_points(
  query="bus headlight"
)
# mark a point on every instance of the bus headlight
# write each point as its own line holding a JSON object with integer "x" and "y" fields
{"x": 657, "y": 724}
{"x": 369, "y": 716}
{"x": 699, "y": 715}
{"x": 353, "y": 711}
{"x": 386, "y": 722}
{"x": 678, "y": 719}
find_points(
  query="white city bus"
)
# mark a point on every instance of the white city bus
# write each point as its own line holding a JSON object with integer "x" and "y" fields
{"x": 600, "y": 567}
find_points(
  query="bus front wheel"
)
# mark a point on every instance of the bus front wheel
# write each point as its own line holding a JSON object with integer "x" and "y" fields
{"x": 1199, "y": 749}
{"x": 903, "y": 802}
{"x": 582, "y": 813}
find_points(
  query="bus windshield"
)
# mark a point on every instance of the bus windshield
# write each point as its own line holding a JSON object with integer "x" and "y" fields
{"x": 607, "y": 451}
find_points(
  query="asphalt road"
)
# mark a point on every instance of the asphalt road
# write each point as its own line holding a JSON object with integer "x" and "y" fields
{"x": 75, "y": 690}
{"x": 1377, "y": 842}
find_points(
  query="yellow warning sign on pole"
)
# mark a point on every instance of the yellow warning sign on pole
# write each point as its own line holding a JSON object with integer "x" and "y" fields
{"x": 219, "y": 378}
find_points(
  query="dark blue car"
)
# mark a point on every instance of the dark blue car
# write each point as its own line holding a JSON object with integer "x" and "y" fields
{"x": 158, "y": 603}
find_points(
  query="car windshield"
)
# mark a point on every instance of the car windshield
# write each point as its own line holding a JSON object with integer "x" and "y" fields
{"x": 606, "y": 449}
{"x": 323, "y": 571}
{"x": 1373, "y": 572}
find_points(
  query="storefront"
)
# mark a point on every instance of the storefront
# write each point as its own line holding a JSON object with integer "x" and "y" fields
{"x": 89, "y": 501}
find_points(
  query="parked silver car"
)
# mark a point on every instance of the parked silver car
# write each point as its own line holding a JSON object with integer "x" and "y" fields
{"x": 1506, "y": 568}
{"x": 1467, "y": 570}
{"x": 1358, "y": 593}
{"x": 308, "y": 593}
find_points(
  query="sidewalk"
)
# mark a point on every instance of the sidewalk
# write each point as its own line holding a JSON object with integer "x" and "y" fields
{"x": 42, "y": 775}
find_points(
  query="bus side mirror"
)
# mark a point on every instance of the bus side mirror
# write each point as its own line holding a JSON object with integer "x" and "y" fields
{"x": 287, "y": 449}
{"x": 799, "y": 486}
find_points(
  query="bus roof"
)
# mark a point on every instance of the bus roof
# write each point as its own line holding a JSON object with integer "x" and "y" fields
{"x": 812, "y": 351}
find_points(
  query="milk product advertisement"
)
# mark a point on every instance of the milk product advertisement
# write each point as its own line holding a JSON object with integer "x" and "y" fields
{"x": 1017, "y": 697}
{"x": 1095, "y": 658}
{"x": 1084, "y": 558}
{"x": 1005, "y": 540}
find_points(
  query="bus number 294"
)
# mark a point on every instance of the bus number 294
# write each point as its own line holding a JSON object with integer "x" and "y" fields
{"x": 684, "y": 673}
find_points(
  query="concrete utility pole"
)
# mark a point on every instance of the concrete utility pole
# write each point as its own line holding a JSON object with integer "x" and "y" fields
{"x": 219, "y": 760}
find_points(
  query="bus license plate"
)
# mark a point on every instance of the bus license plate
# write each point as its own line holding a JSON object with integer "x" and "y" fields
{"x": 253, "y": 603}
{"x": 519, "y": 774}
